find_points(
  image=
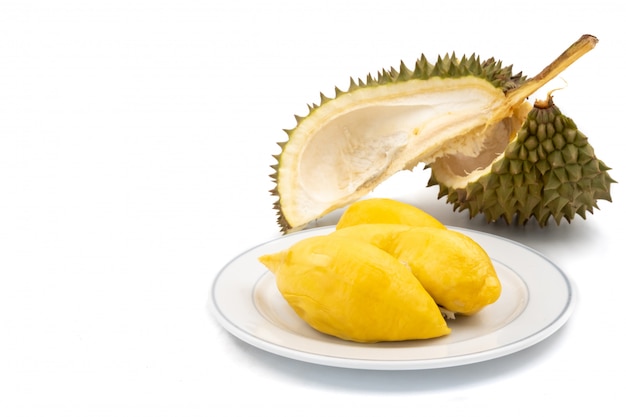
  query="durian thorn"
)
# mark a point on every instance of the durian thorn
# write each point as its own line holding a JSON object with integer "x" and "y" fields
{"x": 579, "y": 48}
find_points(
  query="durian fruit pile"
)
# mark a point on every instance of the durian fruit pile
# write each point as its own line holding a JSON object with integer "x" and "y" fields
{"x": 489, "y": 150}
{"x": 389, "y": 272}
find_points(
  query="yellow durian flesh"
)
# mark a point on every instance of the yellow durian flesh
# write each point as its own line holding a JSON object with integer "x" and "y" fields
{"x": 380, "y": 235}
{"x": 452, "y": 267}
{"x": 355, "y": 291}
{"x": 385, "y": 210}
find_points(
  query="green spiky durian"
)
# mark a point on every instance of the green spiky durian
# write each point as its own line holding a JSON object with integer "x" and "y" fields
{"x": 548, "y": 171}
{"x": 349, "y": 144}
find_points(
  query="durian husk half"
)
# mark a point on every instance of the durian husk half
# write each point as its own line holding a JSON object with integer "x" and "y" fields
{"x": 548, "y": 172}
{"x": 466, "y": 109}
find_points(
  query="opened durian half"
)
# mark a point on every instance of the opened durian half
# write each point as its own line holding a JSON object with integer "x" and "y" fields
{"x": 456, "y": 116}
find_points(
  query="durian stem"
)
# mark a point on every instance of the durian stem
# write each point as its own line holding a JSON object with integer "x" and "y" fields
{"x": 579, "y": 48}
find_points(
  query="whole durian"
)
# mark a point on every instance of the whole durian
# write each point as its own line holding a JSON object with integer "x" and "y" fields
{"x": 464, "y": 110}
{"x": 548, "y": 171}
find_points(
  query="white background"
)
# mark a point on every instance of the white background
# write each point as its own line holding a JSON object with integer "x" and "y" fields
{"x": 135, "y": 145}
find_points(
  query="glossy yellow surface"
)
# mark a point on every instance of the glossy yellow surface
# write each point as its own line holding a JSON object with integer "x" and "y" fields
{"x": 385, "y": 210}
{"x": 453, "y": 268}
{"x": 353, "y": 290}
{"x": 378, "y": 234}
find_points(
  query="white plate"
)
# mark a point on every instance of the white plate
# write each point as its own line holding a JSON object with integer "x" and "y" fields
{"x": 537, "y": 299}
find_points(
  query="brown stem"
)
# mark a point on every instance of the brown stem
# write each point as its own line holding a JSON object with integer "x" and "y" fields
{"x": 579, "y": 48}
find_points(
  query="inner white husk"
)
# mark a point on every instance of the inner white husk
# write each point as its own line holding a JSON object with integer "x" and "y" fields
{"x": 464, "y": 164}
{"x": 348, "y": 146}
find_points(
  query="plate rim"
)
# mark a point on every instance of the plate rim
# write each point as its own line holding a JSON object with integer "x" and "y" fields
{"x": 539, "y": 335}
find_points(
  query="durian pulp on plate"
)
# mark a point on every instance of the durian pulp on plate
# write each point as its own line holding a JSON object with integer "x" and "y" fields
{"x": 462, "y": 113}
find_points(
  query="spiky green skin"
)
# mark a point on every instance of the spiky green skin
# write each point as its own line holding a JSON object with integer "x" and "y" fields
{"x": 549, "y": 171}
{"x": 448, "y": 66}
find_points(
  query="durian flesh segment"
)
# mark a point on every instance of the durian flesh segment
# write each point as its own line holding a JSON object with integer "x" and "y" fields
{"x": 451, "y": 266}
{"x": 350, "y": 144}
{"x": 387, "y": 211}
{"x": 355, "y": 291}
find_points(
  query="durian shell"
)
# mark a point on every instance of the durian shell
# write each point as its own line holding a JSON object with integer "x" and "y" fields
{"x": 347, "y": 145}
{"x": 550, "y": 171}
{"x": 423, "y": 75}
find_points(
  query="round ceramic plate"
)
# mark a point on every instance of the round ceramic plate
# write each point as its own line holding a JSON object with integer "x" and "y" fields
{"x": 537, "y": 299}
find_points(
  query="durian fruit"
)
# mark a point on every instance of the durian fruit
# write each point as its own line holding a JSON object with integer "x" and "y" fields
{"x": 352, "y": 290}
{"x": 349, "y": 144}
{"x": 548, "y": 171}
